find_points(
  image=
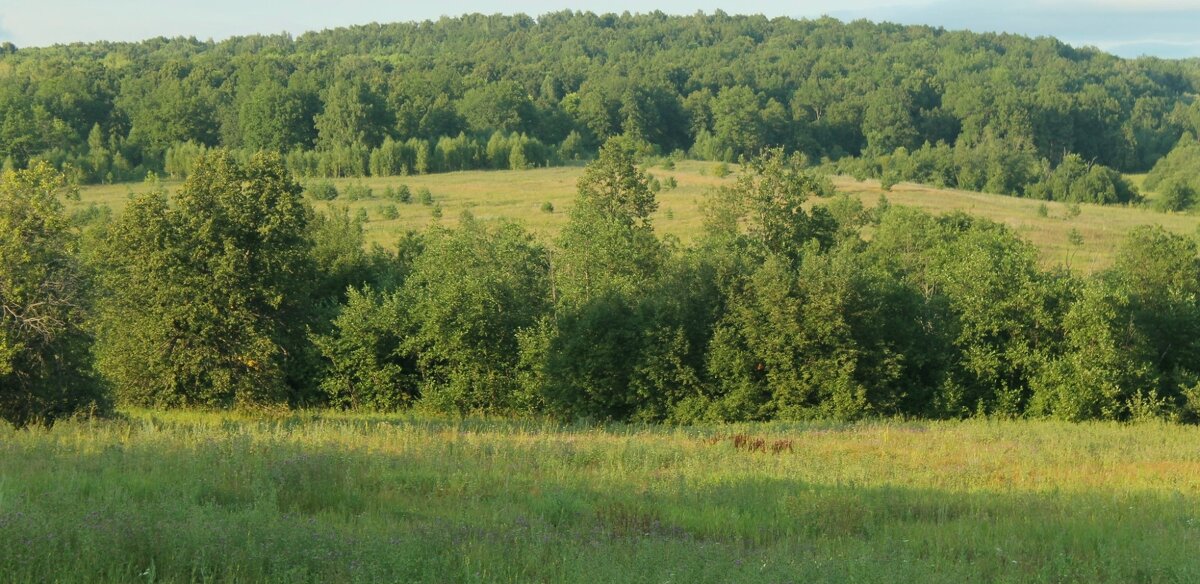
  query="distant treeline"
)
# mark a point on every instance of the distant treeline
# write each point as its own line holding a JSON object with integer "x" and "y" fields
{"x": 236, "y": 294}
{"x": 978, "y": 111}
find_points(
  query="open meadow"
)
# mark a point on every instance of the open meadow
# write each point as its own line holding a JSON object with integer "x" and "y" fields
{"x": 469, "y": 365}
{"x": 521, "y": 195}
{"x": 323, "y": 497}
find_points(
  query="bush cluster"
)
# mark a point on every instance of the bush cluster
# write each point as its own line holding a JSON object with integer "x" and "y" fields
{"x": 237, "y": 295}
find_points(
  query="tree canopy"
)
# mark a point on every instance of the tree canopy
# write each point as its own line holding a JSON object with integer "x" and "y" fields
{"x": 427, "y": 97}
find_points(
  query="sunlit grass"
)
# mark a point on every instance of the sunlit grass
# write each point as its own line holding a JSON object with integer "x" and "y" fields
{"x": 520, "y": 195}
{"x": 338, "y": 497}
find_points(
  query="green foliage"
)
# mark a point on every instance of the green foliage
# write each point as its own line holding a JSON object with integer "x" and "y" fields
{"x": 783, "y": 310}
{"x": 322, "y": 191}
{"x": 225, "y": 294}
{"x": 366, "y": 368}
{"x": 607, "y": 259}
{"x": 1075, "y": 181}
{"x": 205, "y": 301}
{"x": 45, "y": 366}
{"x": 348, "y": 118}
{"x": 340, "y": 258}
{"x": 389, "y": 212}
{"x": 1176, "y": 174}
{"x": 180, "y": 158}
{"x": 503, "y": 107}
{"x": 999, "y": 314}
{"x": 469, "y": 296}
{"x": 1105, "y": 362}
{"x": 1174, "y": 196}
{"x": 888, "y": 122}
{"x": 358, "y": 192}
{"x": 402, "y": 194}
{"x": 461, "y": 152}
{"x": 997, "y": 166}
{"x": 1131, "y": 337}
{"x": 273, "y": 117}
{"x": 392, "y": 99}
{"x": 547, "y": 207}
{"x": 608, "y": 244}
{"x": 765, "y": 207}
{"x": 572, "y": 147}
{"x": 393, "y": 158}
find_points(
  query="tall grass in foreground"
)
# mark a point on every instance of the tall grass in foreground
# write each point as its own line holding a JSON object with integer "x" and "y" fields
{"x": 344, "y": 498}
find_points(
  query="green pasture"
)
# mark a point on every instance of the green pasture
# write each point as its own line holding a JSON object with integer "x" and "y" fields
{"x": 323, "y": 497}
{"x": 521, "y": 195}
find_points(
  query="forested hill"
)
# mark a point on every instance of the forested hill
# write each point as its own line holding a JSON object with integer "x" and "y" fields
{"x": 511, "y": 91}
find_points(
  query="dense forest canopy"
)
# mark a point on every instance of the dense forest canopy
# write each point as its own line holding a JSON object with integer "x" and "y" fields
{"x": 990, "y": 112}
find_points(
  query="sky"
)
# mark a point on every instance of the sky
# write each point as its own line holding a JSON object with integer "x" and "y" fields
{"x": 1164, "y": 28}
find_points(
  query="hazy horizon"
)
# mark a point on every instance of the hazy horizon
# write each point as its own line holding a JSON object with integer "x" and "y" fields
{"x": 1162, "y": 28}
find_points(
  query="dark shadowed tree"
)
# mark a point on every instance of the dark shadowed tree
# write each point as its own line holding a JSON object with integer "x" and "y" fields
{"x": 45, "y": 367}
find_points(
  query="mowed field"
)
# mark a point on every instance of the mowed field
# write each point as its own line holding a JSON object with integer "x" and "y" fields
{"x": 520, "y": 195}
{"x": 317, "y": 497}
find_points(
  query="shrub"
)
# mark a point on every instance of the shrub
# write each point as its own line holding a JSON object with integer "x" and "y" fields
{"x": 389, "y": 212}
{"x": 359, "y": 192}
{"x": 547, "y": 207}
{"x": 403, "y": 194}
{"x": 1174, "y": 196}
{"x": 365, "y": 370}
{"x": 425, "y": 196}
{"x": 322, "y": 191}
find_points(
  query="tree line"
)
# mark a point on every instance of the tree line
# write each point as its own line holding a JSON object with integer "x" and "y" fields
{"x": 234, "y": 293}
{"x": 992, "y": 112}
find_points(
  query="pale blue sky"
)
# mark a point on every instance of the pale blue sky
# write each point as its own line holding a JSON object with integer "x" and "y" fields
{"x": 1169, "y": 28}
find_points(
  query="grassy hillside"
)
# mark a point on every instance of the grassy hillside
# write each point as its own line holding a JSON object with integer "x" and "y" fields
{"x": 521, "y": 194}
{"x": 327, "y": 497}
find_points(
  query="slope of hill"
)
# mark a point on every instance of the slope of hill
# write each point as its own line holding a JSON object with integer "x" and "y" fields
{"x": 522, "y": 195}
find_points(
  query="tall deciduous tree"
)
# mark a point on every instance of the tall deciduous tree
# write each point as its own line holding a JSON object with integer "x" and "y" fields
{"x": 609, "y": 242}
{"x": 348, "y": 118}
{"x": 206, "y": 299}
{"x": 45, "y": 368}
{"x": 607, "y": 259}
